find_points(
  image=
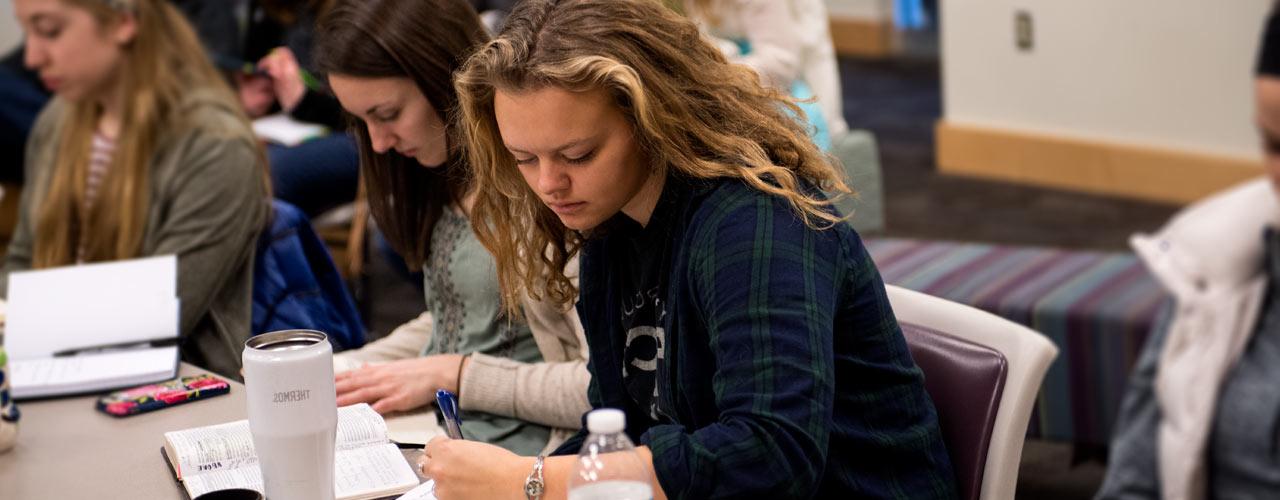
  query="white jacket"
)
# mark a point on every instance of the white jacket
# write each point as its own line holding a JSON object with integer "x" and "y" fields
{"x": 790, "y": 40}
{"x": 1210, "y": 257}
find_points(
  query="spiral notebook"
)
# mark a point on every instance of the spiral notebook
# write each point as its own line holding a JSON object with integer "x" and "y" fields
{"x": 92, "y": 328}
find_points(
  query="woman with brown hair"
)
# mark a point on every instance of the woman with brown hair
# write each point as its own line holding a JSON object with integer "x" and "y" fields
{"x": 520, "y": 377}
{"x": 730, "y": 313}
{"x": 142, "y": 152}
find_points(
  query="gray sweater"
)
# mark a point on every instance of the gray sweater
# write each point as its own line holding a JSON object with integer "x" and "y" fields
{"x": 208, "y": 204}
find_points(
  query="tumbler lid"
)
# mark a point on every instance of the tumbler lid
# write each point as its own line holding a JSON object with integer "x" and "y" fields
{"x": 285, "y": 340}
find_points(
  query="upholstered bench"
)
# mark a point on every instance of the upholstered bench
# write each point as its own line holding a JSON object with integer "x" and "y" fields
{"x": 1097, "y": 307}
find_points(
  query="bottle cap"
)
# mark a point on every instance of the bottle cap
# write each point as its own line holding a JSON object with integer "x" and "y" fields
{"x": 606, "y": 421}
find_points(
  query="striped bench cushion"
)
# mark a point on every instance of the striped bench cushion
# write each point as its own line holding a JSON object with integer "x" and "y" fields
{"x": 1098, "y": 307}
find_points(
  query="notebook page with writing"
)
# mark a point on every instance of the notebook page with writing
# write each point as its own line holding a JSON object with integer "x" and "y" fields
{"x": 39, "y": 377}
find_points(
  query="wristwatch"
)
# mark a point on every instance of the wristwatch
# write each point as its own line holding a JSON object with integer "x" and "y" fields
{"x": 533, "y": 485}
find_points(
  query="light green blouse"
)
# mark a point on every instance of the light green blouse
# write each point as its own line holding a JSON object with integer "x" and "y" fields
{"x": 461, "y": 284}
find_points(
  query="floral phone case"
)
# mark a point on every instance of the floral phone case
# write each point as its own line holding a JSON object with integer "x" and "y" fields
{"x": 150, "y": 397}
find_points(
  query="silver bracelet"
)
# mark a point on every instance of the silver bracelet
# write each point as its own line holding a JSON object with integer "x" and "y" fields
{"x": 534, "y": 486}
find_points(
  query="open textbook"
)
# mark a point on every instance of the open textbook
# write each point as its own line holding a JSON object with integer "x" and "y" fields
{"x": 123, "y": 330}
{"x": 367, "y": 465}
{"x": 412, "y": 427}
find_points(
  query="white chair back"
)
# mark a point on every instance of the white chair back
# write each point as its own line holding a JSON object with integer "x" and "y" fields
{"x": 1028, "y": 354}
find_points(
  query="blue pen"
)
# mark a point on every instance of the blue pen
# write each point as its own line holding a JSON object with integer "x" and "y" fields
{"x": 448, "y": 405}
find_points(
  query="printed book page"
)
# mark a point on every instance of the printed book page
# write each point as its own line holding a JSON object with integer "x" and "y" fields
{"x": 230, "y": 445}
{"x": 359, "y": 474}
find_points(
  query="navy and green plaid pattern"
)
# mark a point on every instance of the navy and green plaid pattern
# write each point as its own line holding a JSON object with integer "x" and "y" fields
{"x": 785, "y": 372}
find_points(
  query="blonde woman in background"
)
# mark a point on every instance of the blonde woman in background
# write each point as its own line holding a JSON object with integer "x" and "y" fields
{"x": 144, "y": 151}
{"x": 788, "y": 43}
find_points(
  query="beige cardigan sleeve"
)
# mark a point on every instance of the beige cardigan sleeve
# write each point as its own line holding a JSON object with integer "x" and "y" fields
{"x": 405, "y": 342}
{"x": 553, "y": 392}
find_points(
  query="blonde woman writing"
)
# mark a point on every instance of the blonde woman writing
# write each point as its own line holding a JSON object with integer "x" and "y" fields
{"x": 732, "y": 315}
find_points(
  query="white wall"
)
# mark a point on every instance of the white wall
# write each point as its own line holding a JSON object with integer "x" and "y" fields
{"x": 855, "y": 9}
{"x": 1166, "y": 73}
{"x": 10, "y": 33}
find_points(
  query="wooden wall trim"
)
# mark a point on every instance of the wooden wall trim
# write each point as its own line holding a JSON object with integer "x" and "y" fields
{"x": 862, "y": 37}
{"x": 1117, "y": 169}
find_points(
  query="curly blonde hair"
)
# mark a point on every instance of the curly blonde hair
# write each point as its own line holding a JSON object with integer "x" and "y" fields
{"x": 694, "y": 114}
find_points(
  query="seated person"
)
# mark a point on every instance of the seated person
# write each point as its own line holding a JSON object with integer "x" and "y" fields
{"x": 24, "y": 98}
{"x": 8, "y": 410}
{"x": 732, "y": 316}
{"x": 1200, "y": 416}
{"x": 788, "y": 43}
{"x": 142, "y": 152}
{"x": 267, "y": 51}
{"x": 521, "y": 378}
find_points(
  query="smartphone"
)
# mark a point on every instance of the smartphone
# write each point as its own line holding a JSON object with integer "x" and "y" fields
{"x": 150, "y": 397}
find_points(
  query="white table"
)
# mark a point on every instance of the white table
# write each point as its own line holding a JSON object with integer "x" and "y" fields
{"x": 67, "y": 449}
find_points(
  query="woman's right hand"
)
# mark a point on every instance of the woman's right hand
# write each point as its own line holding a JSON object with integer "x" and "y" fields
{"x": 399, "y": 385}
{"x": 256, "y": 93}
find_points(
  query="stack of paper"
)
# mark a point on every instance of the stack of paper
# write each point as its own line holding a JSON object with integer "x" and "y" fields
{"x": 283, "y": 130}
{"x": 93, "y": 327}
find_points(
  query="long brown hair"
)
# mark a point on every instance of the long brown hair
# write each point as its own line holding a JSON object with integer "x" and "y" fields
{"x": 424, "y": 41}
{"x": 163, "y": 62}
{"x": 694, "y": 114}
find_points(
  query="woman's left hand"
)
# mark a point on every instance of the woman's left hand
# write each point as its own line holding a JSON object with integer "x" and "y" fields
{"x": 286, "y": 76}
{"x": 400, "y": 385}
{"x": 471, "y": 469}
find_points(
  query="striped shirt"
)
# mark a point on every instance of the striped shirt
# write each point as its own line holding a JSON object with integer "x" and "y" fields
{"x": 100, "y": 155}
{"x": 784, "y": 373}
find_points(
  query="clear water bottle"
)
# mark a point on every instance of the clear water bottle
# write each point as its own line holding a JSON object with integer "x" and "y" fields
{"x": 608, "y": 466}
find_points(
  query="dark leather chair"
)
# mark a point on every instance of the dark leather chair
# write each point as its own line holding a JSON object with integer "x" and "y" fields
{"x": 983, "y": 373}
{"x": 965, "y": 381}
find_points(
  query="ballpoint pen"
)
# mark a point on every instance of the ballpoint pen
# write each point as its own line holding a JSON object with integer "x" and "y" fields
{"x": 447, "y": 403}
{"x": 118, "y": 346}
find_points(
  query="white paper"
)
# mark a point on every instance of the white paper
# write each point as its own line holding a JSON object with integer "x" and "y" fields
{"x": 424, "y": 491}
{"x": 286, "y": 131}
{"x": 145, "y": 276}
{"x": 413, "y": 427}
{"x": 38, "y": 329}
{"x": 89, "y": 305}
{"x": 76, "y": 374}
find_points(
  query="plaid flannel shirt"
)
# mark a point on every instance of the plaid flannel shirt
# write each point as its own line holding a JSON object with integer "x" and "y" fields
{"x": 784, "y": 372}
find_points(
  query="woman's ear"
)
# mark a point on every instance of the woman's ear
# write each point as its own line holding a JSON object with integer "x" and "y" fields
{"x": 125, "y": 29}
